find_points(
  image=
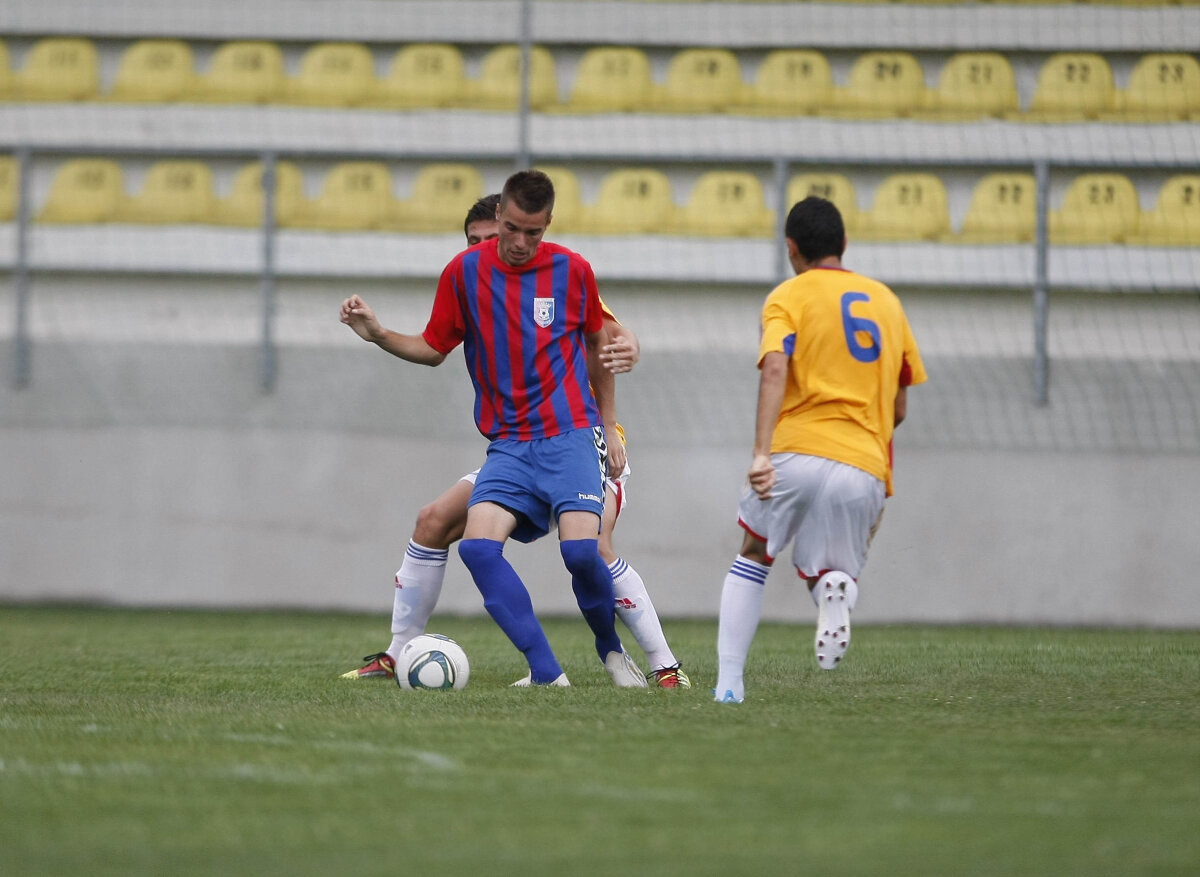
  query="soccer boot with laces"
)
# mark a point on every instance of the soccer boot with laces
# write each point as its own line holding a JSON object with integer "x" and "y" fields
{"x": 669, "y": 677}
{"x": 378, "y": 666}
{"x": 624, "y": 672}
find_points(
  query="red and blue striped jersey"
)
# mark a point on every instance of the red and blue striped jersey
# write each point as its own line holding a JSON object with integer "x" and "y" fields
{"x": 522, "y": 330}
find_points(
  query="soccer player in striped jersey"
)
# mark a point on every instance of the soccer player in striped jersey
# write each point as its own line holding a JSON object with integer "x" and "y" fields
{"x": 528, "y": 313}
{"x": 836, "y": 358}
{"x": 441, "y": 523}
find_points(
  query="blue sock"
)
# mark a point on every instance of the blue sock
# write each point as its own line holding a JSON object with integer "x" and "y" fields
{"x": 592, "y": 583}
{"x": 507, "y": 601}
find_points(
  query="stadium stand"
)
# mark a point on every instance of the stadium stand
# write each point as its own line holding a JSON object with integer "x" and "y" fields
{"x": 59, "y": 69}
{"x": 907, "y": 207}
{"x": 1098, "y": 208}
{"x": 422, "y": 75}
{"x": 85, "y": 190}
{"x": 789, "y": 82}
{"x": 633, "y": 201}
{"x": 173, "y": 192}
{"x": 1175, "y": 219}
{"x": 1003, "y": 210}
{"x": 154, "y": 71}
{"x": 700, "y": 81}
{"x": 245, "y": 72}
{"x": 442, "y": 194}
{"x": 726, "y": 204}
{"x": 244, "y": 205}
{"x": 832, "y": 186}
{"x": 6, "y": 74}
{"x": 498, "y": 86}
{"x": 1162, "y": 88}
{"x": 354, "y": 195}
{"x": 568, "y": 200}
{"x": 9, "y": 188}
{"x": 881, "y": 85}
{"x": 333, "y": 75}
{"x": 1072, "y": 87}
{"x": 612, "y": 79}
{"x": 972, "y": 85}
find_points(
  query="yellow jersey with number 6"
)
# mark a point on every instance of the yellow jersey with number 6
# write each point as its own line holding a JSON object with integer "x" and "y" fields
{"x": 850, "y": 349}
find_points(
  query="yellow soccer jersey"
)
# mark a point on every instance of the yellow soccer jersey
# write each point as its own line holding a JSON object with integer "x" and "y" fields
{"x": 850, "y": 349}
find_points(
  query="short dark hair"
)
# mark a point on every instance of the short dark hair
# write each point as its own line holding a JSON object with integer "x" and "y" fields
{"x": 817, "y": 228}
{"x": 482, "y": 210}
{"x": 530, "y": 190}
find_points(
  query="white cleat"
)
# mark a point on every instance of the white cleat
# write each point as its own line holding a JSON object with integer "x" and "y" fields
{"x": 624, "y": 672}
{"x": 833, "y": 619}
{"x": 527, "y": 682}
{"x": 727, "y": 697}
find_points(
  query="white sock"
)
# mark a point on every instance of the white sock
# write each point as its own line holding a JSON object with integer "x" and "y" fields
{"x": 418, "y": 586}
{"x": 741, "y": 609}
{"x": 636, "y": 610}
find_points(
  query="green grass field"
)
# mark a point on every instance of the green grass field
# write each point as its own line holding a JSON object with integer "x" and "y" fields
{"x": 139, "y": 742}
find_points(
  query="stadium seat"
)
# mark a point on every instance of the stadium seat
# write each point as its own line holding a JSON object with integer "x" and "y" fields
{"x": 173, "y": 192}
{"x": 633, "y": 201}
{"x": 6, "y": 74}
{"x": 881, "y": 85}
{"x": 701, "y": 81}
{"x": 355, "y": 195}
{"x": 244, "y": 206}
{"x": 499, "y": 84}
{"x": 154, "y": 71}
{"x": 1175, "y": 219}
{"x": 422, "y": 75}
{"x": 907, "y": 207}
{"x": 568, "y": 202}
{"x": 612, "y": 79}
{"x": 333, "y": 75}
{"x": 1071, "y": 87}
{"x": 973, "y": 85}
{"x": 789, "y": 82}
{"x": 726, "y": 204}
{"x": 244, "y": 72}
{"x": 1099, "y": 208}
{"x": 59, "y": 69}
{"x": 85, "y": 190}
{"x": 1162, "y": 88}
{"x": 1003, "y": 210}
{"x": 442, "y": 194}
{"x": 830, "y": 186}
{"x": 9, "y": 178}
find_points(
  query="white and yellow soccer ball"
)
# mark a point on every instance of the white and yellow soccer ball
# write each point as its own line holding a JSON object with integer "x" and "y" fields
{"x": 432, "y": 661}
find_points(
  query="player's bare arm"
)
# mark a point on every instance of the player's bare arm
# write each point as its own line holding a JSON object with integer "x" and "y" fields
{"x": 901, "y": 406}
{"x": 604, "y": 386}
{"x": 771, "y": 383}
{"x": 359, "y": 316}
{"x": 621, "y": 349}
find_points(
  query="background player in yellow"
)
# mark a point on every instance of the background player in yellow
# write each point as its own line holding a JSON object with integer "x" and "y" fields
{"x": 836, "y": 358}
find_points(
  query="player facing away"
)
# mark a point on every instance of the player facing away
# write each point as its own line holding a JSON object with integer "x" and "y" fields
{"x": 528, "y": 314}
{"x": 440, "y": 524}
{"x": 836, "y": 358}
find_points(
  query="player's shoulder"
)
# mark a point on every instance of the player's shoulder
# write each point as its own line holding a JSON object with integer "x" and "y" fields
{"x": 552, "y": 249}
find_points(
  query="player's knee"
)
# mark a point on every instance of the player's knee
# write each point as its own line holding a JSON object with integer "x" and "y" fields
{"x": 581, "y": 556}
{"x": 438, "y": 526}
{"x": 478, "y": 554}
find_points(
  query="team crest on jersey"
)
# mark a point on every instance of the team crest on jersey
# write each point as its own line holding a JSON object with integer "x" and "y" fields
{"x": 543, "y": 311}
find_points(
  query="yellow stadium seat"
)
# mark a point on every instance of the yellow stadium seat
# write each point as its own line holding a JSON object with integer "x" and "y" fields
{"x": 6, "y": 74}
{"x": 633, "y": 201}
{"x": 9, "y": 179}
{"x": 612, "y": 79}
{"x": 333, "y": 75}
{"x": 59, "y": 69}
{"x": 1072, "y": 87}
{"x": 154, "y": 71}
{"x": 85, "y": 190}
{"x": 243, "y": 72}
{"x": 1175, "y": 219}
{"x": 244, "y": 206}
{"x": 726, "y": 204}
{"x": 830, "y": 186}
{"x": 701, "y": 81}
{"x": 173, "y": 192}
{"x": 499, "y": 84}
{"x": 422, "y": 75}
{"x": 1003, "y": 210}
{"x": 1162, "y": 88}
{"x": 568, "y": 202}
{"x": 790, "y": 82}
{"x": 881, "y": 85}
{"x": 442, "y": 194}
{"x": 907, "y": 207}
{"x": 355, "y": 195}
{"x": 1100, "y": 208}
{"x": 973, "y": 85}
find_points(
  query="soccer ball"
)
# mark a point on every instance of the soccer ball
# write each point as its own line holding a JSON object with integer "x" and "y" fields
{"x": 432, "y": 661}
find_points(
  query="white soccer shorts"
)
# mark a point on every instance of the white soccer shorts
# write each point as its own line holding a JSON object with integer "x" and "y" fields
{"x": 826, "y": 509}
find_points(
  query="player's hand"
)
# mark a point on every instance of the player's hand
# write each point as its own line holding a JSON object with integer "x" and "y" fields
{"x": 762, "y": 475}
{"x": 620, "y": 354}
{"x": 357, "y": 314}
{"x": 616, "y": 453}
